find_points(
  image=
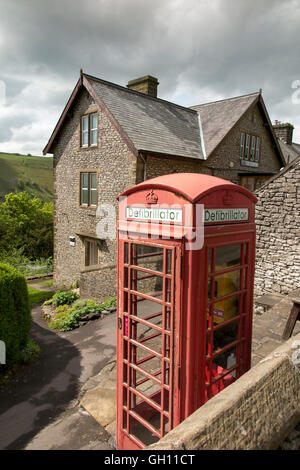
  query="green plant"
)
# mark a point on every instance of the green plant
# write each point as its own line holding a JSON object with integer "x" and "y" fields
{"x": 30, "y": 352}
{"x": 26, "y": 223}
{"x": 61, "y": 314}
{"x": 67, "y": 316}
{"x": 64, "y": 297}
{"x": 15, "y": 318}
{"x": 110, "y": 302}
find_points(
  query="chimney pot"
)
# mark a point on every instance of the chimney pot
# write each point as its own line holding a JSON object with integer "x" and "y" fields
{"x": 284, "y": 131}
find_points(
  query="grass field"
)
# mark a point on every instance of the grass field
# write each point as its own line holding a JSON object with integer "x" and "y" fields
{"x": 26, "y": 173}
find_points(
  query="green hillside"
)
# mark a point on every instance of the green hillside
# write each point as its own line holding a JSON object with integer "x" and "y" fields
{"x": 26, "y": 173}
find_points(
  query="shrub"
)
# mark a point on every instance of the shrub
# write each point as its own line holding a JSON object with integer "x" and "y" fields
{"x": 15, "y": 318}
{"x": 64, "y": 297}
{"x": 67, "y": 316}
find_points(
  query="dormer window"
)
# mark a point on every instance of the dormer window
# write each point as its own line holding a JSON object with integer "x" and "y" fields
{"x": 89, "y": 130}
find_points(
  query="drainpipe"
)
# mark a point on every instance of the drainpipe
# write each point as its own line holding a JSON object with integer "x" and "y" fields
{"x": 145, "y": 166}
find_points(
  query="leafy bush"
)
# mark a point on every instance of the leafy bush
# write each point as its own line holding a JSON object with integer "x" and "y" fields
{"x": 64, "y": 297}
{"x": 67, "y": 316}
{"x": 26, "y": 223}
{"x": 15, "y": 318}
{"x": 30, "y": 352}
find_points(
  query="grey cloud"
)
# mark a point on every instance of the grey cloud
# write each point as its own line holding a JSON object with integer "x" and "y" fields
{"x": 227, "y": 47}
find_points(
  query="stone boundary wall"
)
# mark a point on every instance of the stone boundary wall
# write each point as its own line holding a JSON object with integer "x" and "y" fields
{"x": 278, "y": 233}
{"x": 100, "y": 283}
{"x": 255, "y": 412}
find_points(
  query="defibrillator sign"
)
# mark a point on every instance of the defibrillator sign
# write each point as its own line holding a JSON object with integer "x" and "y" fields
{"x": 160, "y": 214}
{"x": 225, "y": 215}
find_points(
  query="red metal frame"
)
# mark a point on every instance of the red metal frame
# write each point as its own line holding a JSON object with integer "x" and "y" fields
{"x": 162, "y": 401}
{"x": 207, "y": 344}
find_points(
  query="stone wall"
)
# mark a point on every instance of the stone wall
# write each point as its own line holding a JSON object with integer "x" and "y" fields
{"x": 278, "y": 233}
{"x": 116, "y": 167}
{"x": 99, "y": 284}
{"x": 224, "y": 162}
{"x": 256, "y": 412}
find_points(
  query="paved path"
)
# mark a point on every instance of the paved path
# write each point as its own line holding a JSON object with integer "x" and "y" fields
{"x": 269, "y": 327}
{"x": 39, "y": 407}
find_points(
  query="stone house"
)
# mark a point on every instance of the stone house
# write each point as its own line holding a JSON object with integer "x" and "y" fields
{"x": 110, "y": 137}
{"x": 278, "y": 232}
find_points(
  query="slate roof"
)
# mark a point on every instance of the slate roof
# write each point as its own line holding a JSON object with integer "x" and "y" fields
{"x": 152, "y": 124}
{"x": 290, "y": 151}
{"x": 218, "y": 117}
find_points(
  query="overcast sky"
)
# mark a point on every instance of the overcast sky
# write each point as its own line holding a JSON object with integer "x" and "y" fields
{"x": 200, "y": 50}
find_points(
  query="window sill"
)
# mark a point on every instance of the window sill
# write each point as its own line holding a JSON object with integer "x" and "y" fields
{"x": 89, "y": 147}
{"x": 82, "y": 206}
{"x": 94, "y": 267}
{"x": 250, "y": 163}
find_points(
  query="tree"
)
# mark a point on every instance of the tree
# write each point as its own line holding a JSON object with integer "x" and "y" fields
{"x": 28, "y": 224}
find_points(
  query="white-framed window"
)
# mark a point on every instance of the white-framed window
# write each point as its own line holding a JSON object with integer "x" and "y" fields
{"x": 89, "y": 130}
{"x": 247, "y": 146}
{"x": 242, "y": 144}
{"x": 257, "y": 149}
{"x": 84, "y": 131}
{"x": 252, "y": 152}
{"x": 250, "y": 147}
{"x": 93, "y": 128}
{"x": 88, "y": 188}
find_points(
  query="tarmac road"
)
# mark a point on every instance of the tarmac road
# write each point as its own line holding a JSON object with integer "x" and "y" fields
{"x": 38, "y": 408}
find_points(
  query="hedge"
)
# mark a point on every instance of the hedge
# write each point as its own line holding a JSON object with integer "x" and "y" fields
{"x": 15, "y": 317}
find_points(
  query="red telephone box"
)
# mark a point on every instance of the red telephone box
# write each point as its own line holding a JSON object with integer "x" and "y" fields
{"x": 184, "y": 305}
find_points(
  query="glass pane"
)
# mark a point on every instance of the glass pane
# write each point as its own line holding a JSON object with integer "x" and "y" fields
{"x": 169, "y": 262}
{"x": 247, "y": 146}
{"x": 85, "y": 138}
{"x": 148, "y": 387}
{"x": 94, "y": 135}
{"x": 224, "y": 336}
{"x": 93, "y": 180}
{"x": 242, "y": 144}
{"x": 147, "y": 309}
{"x": 93, "y": 194}
{"x": 227, "y": 256}
{"x": 252, "y": 147}
{"x": 226, "y": 309}
{"x": 126, "y": 253}
{"x": 84, "y": 196}
{"x": 147, "y": 283}
{"x": 147, "y": 336}
{"x": 251, "y": 183}
{"x": 150, "y": 257}
{"x": 139, "y": 431}
{"x": 85, "y": 123}
{"x": 257, "y": 149}
{"x": 93, "y": 253}
{"x": 227, "y": 284}
{"x": 224, "y": 361}
{"x": 94, "y": 121}
{"x": 84, "y": 180}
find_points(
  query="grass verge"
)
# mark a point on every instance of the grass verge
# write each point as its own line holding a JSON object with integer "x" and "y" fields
{"x": 36, "y": 296}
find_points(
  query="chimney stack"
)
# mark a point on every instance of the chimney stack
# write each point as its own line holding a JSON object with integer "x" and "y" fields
{"x": 147, "y": 85}
{"x": 284, "y": 131}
